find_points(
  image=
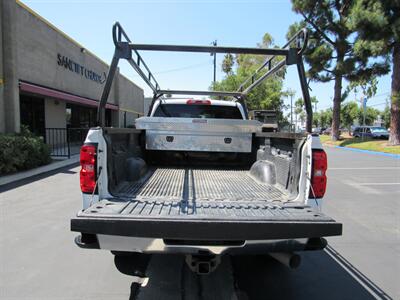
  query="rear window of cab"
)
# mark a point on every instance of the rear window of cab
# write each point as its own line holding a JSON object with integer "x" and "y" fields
{"x": 198, "y": 111}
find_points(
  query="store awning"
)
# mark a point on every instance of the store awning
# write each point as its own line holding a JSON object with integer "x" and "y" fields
{"x": 48, "y": 92}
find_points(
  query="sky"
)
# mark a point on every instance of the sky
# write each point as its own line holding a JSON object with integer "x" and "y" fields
{"x": 194, "y": 22}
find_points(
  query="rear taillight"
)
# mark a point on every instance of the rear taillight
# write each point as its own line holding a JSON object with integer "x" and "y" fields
{"x": 204, "y": 102}
{"x": 318, "y": 173}
{"x": 88, "y": 168}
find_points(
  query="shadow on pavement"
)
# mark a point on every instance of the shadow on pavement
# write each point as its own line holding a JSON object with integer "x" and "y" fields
{"x": 171, "y": 279}
{"x": 322, "y": 275}
{"x": 16, "y": 184}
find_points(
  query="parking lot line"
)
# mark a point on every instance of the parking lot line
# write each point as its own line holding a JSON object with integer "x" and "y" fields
{"x": 365, "y": 168}
{"x": 397, "y": 156}
{"x": 379, "y": 183}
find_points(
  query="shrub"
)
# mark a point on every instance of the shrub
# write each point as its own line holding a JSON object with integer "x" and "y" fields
{"x": 22, "y": 151}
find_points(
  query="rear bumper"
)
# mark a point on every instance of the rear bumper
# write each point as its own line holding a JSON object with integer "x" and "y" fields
{"x": 206, "y": 229}
{"x": 145, "y": 245}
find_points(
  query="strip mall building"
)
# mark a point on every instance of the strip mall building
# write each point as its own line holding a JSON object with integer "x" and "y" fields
{"x": 48, "y": 80}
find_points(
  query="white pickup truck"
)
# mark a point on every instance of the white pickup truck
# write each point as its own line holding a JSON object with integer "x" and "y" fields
{"x": 197, "y": 177}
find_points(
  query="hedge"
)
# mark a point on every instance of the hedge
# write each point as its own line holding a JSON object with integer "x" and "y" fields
{"x": 22, "y": 152}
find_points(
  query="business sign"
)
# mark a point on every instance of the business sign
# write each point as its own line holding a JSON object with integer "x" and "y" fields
{"x": 79, "y": 69}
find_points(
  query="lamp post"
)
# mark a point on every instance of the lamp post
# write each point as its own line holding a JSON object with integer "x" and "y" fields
{"x": 214, "y": 43}
{"x": 364, "y": 104}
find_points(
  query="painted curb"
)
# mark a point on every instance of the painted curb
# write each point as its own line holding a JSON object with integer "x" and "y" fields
{"x": 397, "y": 156}
{"x": 40, "y": 170}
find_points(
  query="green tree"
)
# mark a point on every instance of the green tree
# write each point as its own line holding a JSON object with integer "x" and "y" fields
{"x": 227, "y": 64}
{"x": 350, "y": 112}
{"x": 299, "y": 112}
{"x": 290, "y": 93}
{"x": 316, "y": 119}
{"x": 330, "y": 54}
{"x": 386, "y": 117}
{"x": 371, "y": 114}
{"x": 378, "y": 25}
{"x": 325, "y": 117}
{"x": 368, "y": 87}
{"x": 299, "y": 109}
{"x": 268, "y": 95}
{"x": 298, "y": 106}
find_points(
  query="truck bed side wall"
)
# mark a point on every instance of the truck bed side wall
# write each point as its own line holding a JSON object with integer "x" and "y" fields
{"x": 121, "y": 145}
{"x": 285, "y": 154}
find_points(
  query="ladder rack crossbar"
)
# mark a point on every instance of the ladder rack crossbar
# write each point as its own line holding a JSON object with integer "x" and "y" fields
{"x": 200, "y": 93}
{"x": 125, "y": 48}
{"x": 208, "y": 49}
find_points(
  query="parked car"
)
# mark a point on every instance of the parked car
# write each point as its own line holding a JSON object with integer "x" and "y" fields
{"x": 374, "y": 132}
{"x": 318, "y": 130}
{"x": 321, "y": 130}
{"x": 352, "y": 128}
{"x": 328, "y": 131}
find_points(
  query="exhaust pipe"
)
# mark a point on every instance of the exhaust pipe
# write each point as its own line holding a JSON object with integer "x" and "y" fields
{"x": 290, "y": 260}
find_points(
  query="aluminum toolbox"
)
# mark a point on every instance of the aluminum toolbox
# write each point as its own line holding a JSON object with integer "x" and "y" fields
{"x": 187, "y": 134}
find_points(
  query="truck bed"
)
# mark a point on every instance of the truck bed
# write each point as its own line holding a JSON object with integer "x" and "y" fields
{"x": 203, "y": 204}
{"x": 199, "y": 185}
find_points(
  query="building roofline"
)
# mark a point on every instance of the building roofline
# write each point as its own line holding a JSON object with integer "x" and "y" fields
{"x": 31, "y": 11}
{"x": 48, "y": 23}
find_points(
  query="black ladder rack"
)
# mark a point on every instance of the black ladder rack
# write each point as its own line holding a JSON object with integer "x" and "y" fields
{"x": 125, "y": 49}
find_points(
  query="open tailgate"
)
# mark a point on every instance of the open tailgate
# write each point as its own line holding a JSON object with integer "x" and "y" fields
{"x": 204, "y": 221}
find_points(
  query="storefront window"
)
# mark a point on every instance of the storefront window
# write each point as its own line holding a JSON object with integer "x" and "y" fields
{"x": 32, "y": 114}
{"x": 68, "y": 116}
{"x": 80, "y": 116}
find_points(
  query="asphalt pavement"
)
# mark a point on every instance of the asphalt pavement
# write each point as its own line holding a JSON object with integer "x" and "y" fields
{"x": 39, "y": 260}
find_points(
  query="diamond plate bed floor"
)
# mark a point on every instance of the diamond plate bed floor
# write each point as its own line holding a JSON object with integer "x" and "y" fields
{"x": 165, "y": 184}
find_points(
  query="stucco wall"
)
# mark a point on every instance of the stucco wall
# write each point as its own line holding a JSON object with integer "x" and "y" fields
{"x": 54, "y": 111}
{"x": 39, "y": 53}
{"x": 2, "y": 117}
{"x": 146, "y": 105}
{"x": 41, "y": 50}
{"x": 129, "y": 95}
{"x": 128, "y": 100}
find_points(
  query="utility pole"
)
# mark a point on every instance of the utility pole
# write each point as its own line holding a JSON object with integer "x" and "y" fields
{"x": 290, "y": 93}
{"x": 215, "y": 61}
{"x": 364, "y": 106}
{"x": 291, "y": 111}
{"x": 363, "y": 102}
